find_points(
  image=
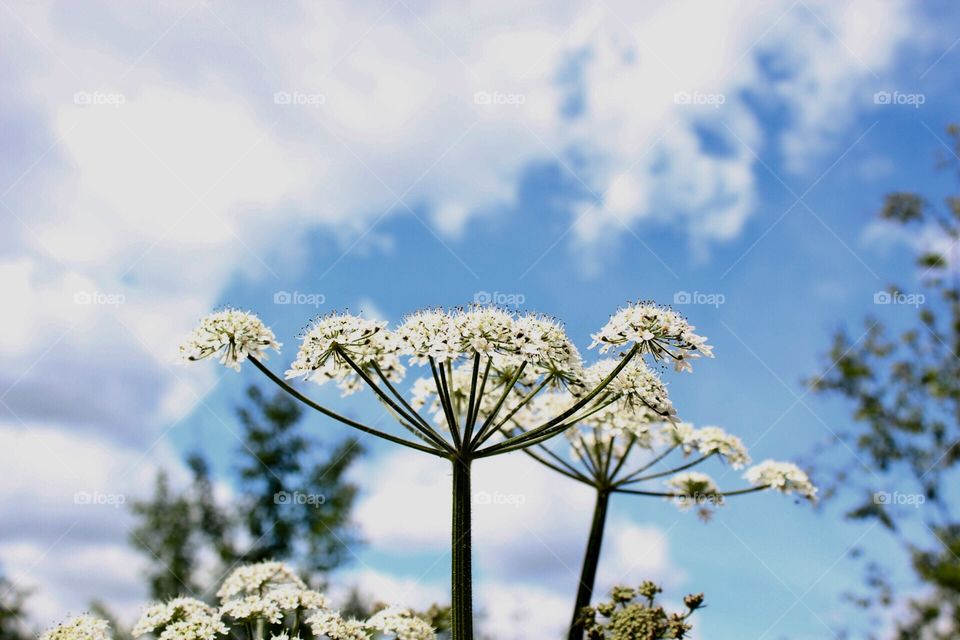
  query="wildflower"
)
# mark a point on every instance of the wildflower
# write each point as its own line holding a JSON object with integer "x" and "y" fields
{"x": 784, "y": 477}
{"x": 542, "y": 342}
{"x": 181, "y": 619}
{"x": 729, "y": 447}
{"x": 694, "y": 487}
{"x": 258, "y": 579}
{"x": 661, "y": 332}
{"x": 402, "y": 624}
{"x": 233, "y": 334}
{"x": 329, "y": 624}
{"x": 331, "y": 340}
{"x": 680, "y": 434}
{"x": 636, "y": 384}
{"x": 85, "y": 627}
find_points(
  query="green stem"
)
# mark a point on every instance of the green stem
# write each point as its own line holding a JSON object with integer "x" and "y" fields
{"x": 591, "y": 559}
{"x": 462, "y": 568}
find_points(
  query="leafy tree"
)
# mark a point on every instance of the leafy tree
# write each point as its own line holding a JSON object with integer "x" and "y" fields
{"x": 904, "y": 386}
{"x": 293, "y": 504}
{"x": 12, "y": 614}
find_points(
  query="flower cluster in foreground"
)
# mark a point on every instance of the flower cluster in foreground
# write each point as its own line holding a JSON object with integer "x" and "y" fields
{"x": 83, "y": 627}
{"x": 256, "y": 601}
{"x": 632, "y": 614}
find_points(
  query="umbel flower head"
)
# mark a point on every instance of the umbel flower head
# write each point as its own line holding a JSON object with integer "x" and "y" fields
{"x": 181, "y": 619}
{"x": 661, "y": 332}
{"x": 85, "y": 627}
{"x": 784, "y": 477}
{"x": 232, "y": 334}
{"x": 403, "y": 624}
{"x": 331, "y": 340}
{"x": 258, "y": 579}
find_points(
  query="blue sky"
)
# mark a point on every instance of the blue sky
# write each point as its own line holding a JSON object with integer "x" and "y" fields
{"x": 194, "y": 155}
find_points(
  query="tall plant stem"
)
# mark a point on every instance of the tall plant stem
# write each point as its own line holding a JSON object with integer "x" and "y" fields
{"x": 591, "y": 559}
{"x": 462, "y": 574}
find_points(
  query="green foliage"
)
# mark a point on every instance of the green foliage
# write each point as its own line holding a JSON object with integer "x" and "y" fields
{"x": 12, "y": 616}
{"x": 632, "y": 614}
{"x": 904, "y": 388}
{"x": 293, "y": 504}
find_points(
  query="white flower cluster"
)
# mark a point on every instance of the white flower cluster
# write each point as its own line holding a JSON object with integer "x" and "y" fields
{"x": 181, "y": 619}
{"x": 395, "y": 622}
{"x": 784, "y": 477}
{"x": 366, "y": 342}
{"x": 257, "y": 579}
{"x": 401, "y": 624}
{"x": 706, "y": 441}
{"x": 636, "y": 384}
{"x": 659, "y": 331}
{"x": 329, "y": 624}
{"x": 85, "y": 627}
{"x": 492, "y": 332}
{"x": 694, "y": 487}
{"x": 729, "y": 447}
{"x": 233, "y": 334}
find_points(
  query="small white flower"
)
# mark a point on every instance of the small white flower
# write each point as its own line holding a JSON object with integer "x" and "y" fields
{"x": 658, "y": 331}
{"x": 329, "y": 624}
{"x": 233, "y": 334}
{"x": 181, "y": 619}
{"x": 85, "y": 627}
{"x": 680, "y": 434}
{"x": 402, "y": 624}
{"x": 366, "y": 342}
{"x": 784, "y": 477}
{"x": 694, "y": 488}
{"x": 636, "y": 384}
{"x": 729, "y": 447}
{"x": 258, "y": 579}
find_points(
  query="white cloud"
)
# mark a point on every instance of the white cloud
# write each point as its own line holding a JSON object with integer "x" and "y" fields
{"x": 65, "y": 527}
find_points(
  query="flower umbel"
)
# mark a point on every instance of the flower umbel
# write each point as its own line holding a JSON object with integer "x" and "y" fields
{"x": 85, "y": 627}
{"x": 784, "y": 477}
{"x": 233, "y": 334}
{"x": 181, "y": 619}
{"x": 659, "y": 331}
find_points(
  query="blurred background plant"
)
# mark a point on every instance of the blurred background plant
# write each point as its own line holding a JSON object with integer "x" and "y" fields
{"x": 179, "y": 531}
{"x": 903, "y": 383}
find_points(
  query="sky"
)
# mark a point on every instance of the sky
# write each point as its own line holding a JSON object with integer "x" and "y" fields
{"x": 161, "y": 160}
